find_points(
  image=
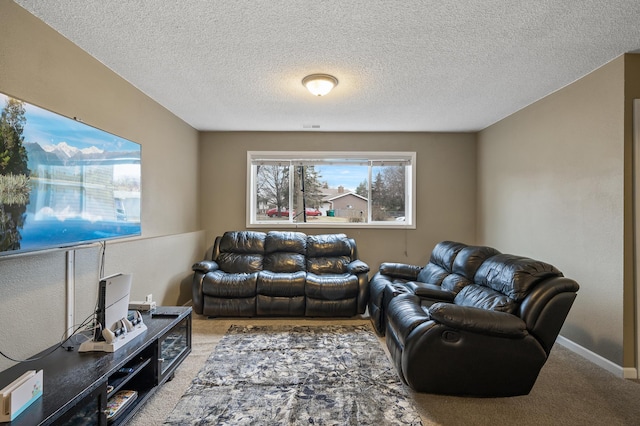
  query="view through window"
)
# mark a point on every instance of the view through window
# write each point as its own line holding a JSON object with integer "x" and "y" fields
{"x": 331, "y": 188}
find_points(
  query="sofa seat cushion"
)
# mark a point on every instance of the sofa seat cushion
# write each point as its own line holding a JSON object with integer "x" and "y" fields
{"x": 221, "y": 284}
{"x": 482, "y": 297}
{"x": 331, "y": 286}
{"x": 328, "y": 265}
{"x": 281, "y": 284}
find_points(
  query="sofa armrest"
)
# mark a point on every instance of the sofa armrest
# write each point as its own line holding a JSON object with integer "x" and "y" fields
{"x": 478, "y": 320}
{"x": 360, "y": 270}
{"x": 357, "y": 267}
{"x": 431, "y": 291}
{"x": 205, "y": 266}
{"x": 400, "y": 270}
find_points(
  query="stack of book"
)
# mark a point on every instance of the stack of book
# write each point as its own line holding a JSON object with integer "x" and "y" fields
{"x": 118, "y": 403}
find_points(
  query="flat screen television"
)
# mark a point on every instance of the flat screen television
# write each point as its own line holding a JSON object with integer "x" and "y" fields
{"x": 63, "y": 182}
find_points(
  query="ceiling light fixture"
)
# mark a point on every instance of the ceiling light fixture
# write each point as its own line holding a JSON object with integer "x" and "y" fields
{"x": 319, "y": 84}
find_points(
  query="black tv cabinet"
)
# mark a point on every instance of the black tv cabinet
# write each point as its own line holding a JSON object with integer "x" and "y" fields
{"x": 77, "y": 385}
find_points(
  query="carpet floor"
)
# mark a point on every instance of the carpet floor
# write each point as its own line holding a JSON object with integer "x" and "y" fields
{"x": 569, "y": 391}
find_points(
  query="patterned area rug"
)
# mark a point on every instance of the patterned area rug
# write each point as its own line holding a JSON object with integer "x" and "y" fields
{"x": 296, "y": 375}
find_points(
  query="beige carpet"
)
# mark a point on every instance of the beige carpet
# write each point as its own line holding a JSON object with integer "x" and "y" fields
{"x": 570, "y": 390}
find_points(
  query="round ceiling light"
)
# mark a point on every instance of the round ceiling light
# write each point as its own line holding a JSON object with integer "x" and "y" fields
{"x": 319, "y": 84}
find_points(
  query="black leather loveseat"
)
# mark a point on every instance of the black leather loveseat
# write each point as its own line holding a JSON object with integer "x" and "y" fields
{"x": 452, "y": 265}
{"x": 487, "y": 336}
{"x": 281, "y": 274}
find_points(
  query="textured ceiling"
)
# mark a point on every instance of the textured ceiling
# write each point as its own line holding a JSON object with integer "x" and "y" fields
{"x": 432, "y": 65}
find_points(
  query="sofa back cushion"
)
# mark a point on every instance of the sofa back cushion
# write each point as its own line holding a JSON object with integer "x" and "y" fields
{"x": 328, "y": 253}
{"x": 440, "y": 262}
{"x": 285, "y": 251}
{"x": 513, "y": 276}
{"x": 241, "y": 251}
{"x": 465, "y": 266}
{"x": 502, "y": 281}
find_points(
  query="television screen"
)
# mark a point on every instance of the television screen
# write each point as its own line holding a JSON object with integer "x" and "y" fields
{"x": 63, "y": 182}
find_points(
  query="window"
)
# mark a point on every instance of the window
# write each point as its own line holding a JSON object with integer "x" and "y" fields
{"x": 331, "y": 189}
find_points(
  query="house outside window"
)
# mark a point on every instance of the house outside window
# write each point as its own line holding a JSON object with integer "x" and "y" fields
{"x": 331, "y": 189}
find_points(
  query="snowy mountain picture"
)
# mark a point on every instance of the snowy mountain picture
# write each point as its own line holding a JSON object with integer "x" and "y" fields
{"x": 81, "y": 183}
{"x": 65, "y": 149}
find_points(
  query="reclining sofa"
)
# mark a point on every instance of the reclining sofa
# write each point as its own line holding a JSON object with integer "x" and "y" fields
{"x": 281, "y": 274}
{"x": 451, "y": 266}
{"x": 482, "y": 323}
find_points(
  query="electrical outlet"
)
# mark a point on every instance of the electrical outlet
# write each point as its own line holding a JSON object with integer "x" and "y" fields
{"x": 149, "y": 298}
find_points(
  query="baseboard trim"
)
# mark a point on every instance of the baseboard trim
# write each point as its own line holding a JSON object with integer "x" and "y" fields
{"x": 630, "y": 373}
{"x": 623, "y": 372}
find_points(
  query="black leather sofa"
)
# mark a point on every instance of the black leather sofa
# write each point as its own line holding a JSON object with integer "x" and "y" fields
{"x": 281, "y": 274}
{"x": 490, "y": 337}
{"x": 452, "y": 265}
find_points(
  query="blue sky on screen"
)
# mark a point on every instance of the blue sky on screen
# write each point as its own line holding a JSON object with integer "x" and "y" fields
{"x": 47, "y": 128}
{"x": 348, "y": 176}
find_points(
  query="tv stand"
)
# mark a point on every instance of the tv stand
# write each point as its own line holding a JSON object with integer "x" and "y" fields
{"x": 78, "y": 385}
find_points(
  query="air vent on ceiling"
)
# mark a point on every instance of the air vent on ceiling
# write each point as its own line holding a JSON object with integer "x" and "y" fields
{"x": 310, "y": 126}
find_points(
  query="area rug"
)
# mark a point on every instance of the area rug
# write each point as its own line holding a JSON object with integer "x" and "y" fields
{"x": 296, "y": 375}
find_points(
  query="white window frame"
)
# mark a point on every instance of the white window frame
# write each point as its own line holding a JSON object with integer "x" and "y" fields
{"x": 326, "y": 156}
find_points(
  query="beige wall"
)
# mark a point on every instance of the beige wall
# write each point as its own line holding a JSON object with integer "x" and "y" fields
{"x": 552, "y": 185}
{"x": 446, "y": 186}
{"x": 41, "y": 67}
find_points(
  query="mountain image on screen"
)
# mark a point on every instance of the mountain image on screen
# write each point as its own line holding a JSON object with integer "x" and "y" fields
{"x": 63, "y": 182}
